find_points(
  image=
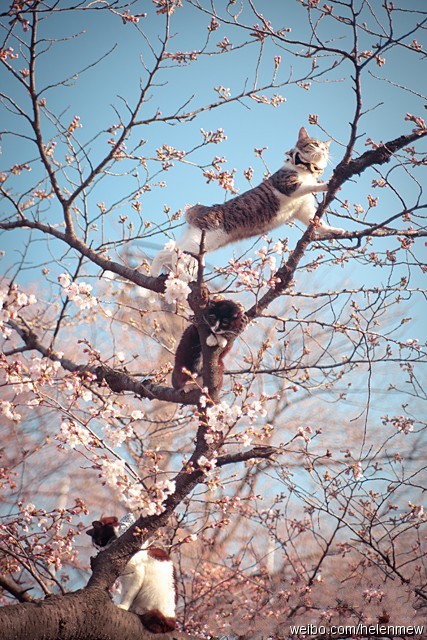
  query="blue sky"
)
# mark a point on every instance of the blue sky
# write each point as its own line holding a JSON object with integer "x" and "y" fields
{"x": 94, "y": 94}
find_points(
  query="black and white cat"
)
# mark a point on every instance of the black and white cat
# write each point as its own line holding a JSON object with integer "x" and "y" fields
{"x": 148, "y": 580}
{"x": 284, "y": 196}
{"x": 225, "y": 319}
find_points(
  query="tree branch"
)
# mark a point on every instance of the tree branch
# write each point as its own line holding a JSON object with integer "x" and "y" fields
{"x": 117, "y": 381}
{"x": 18, "y": 592}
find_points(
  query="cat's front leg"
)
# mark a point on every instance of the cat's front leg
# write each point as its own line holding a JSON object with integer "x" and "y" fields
{"x": 131, "y": 584}
{"x": 320, "y": 187}
{"x": 212, "y": 340}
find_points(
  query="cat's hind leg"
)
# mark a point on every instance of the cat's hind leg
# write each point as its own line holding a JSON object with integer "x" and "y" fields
{"x": 176, "y": 259}
{"x": 162, "y": 259}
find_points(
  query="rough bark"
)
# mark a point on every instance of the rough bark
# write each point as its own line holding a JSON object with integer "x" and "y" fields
{"x": 88, "y": 614}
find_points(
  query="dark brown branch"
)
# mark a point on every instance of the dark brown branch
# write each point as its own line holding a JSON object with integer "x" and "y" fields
{"x": 132, "y": 275}
{"x": 260, "y": 452}
{"x": 18, "y": 592}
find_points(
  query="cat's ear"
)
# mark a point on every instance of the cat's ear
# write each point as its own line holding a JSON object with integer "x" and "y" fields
{"x": 302, "y": 135}
{"x": 328, "y": 143}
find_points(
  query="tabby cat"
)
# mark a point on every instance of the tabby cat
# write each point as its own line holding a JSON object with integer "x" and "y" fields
{"x": 284, "y": 196}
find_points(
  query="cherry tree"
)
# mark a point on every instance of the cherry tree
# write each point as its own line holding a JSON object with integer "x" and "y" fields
{"x": 289, "y": 490}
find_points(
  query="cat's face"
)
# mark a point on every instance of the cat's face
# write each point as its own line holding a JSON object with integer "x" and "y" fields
{"x": 223, "y": 316}
{"x": 103, "y": 531}
{"x": 312, "y": 151}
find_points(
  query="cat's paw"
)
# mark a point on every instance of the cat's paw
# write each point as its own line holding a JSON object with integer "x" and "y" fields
{"x": 123, "y": 606}
{"x": 222, "y": 342}
{"x": 321, "y": 186}
{"x": 212, "y": 340}
{"x": 325, "y": 230}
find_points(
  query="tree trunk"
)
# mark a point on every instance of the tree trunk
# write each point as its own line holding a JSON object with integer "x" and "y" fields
{"x": 88, "y": 614}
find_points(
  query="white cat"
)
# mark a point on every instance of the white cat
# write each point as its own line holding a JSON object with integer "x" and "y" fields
{"x": 148, "y": 580}
{"x": 284, "y": 196}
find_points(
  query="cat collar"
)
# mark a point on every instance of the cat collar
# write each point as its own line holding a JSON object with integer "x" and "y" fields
{"x": 308, "y": 165}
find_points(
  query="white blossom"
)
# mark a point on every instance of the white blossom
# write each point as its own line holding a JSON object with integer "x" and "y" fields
{"x": 73, "y": 434}
{"x": 176, "y": 290}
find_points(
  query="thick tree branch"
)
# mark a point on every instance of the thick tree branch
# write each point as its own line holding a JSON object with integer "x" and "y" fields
{"x": 89, "y": 610}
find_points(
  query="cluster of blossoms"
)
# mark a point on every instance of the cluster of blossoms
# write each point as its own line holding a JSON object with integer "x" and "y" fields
{"x": 208, "y": 465}
{"x": 109, "y": 413}
{"x": 8, "y": 53}
{"x": 357, "y": 471}
{"x": 126, "y": 16}
{"x": 8, "y": 410}
{"x": 44, "y": 536}
{"x": 78, "y": 292}
{"x": 222, "y": 418}
{"x": 22, "y": 378}
{"x": 74, "y": 435}
{"x": 176, "y": 286}
{"x": 214, "y": 137}
{"x": 43, "y": 371}
{"x": 224, "y": 178}
{"x": 17, "y": 9}
{"x": 17, "y": 169}
{"x": 75, "y": 124}
{"x": 420, "y": 123}
{"x": 136, "y": 496}
{"x": 373, "y": 594}
{"x": 12, "y": 301}
{"x": 275, "y": 101}
{"x": 214, "y": 24}
{"x": 182, "y": 57}
{"x": 416, "y": 512}
{"x": 166, "y": 154}
{"x": 120, "y": 152}
{"x": 224, "y": 44}
{"x": 223, "y": 92}
{"x": 416, "y": 45}
{"x": 119, "y": 433}
{"x": 259, "y": 33}
{"x": 403, "y": 424}
{"x": 75, "y": 384}
{"x": 42, "y": 194}
{"x": 252, "y": 275}
{"x": 167, "y": 6}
